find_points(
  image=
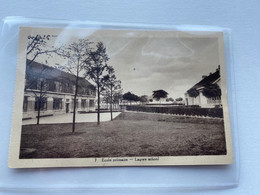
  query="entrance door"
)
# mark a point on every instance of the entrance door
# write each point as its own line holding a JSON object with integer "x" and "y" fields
{"x": 67, "y": 107}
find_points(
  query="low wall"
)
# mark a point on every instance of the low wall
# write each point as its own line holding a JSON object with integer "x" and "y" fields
{"x": 180, "y": 110}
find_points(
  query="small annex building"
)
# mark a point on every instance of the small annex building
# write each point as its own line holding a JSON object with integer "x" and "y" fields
{"x": 206, "y": 93}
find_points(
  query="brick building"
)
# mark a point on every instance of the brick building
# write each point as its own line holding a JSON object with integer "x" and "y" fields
{"x": 55, "y": 90}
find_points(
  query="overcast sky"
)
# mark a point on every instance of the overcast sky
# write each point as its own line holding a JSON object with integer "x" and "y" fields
{"x": 148, "y": 60}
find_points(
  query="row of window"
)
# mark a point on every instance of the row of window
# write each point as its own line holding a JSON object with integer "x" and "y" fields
{"x": 57, "y": 103}
{"x": 84, "y": 103}
{"x": 57, "y": 86}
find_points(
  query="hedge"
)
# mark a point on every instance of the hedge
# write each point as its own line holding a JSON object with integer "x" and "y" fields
{"x": 180, "y": 110}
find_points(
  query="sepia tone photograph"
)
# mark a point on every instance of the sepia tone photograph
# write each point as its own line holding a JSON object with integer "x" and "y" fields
{"x": 96, "y": 97}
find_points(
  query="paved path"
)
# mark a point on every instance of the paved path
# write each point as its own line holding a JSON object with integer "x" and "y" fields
{"x": 67, "y": 118}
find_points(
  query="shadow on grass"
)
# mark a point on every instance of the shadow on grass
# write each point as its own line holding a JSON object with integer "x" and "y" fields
{"x": 127, "y": 135}
{"x": 72, "y": 134}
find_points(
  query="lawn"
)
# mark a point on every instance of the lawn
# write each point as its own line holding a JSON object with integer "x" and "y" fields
{"x": 130, "y": 134}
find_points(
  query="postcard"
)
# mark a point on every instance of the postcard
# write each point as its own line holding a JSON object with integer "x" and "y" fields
{"x": 113, "y": 97}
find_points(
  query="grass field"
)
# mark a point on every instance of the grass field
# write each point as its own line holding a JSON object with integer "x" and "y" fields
{"x": 130, "y": 134}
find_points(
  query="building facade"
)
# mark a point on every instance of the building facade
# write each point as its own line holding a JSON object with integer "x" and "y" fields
{"x": 206, "y": 93}
{"x": 50, "y": 91}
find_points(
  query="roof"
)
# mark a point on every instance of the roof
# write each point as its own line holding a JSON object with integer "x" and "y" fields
{"x": 210, "y": 79}
{"x": 49, "y": 72}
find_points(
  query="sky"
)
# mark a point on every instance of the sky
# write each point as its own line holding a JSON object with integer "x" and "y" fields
{"x": 145, "y": 61}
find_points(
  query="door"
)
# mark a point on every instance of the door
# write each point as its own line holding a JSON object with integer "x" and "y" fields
{"x": 67, "y": 107}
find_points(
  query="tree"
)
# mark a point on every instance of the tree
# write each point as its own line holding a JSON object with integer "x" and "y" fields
{"x": 193, "y": 92}
{"x": 158, "y": 94}
{"x": 36, "y": 82}
{"x": 77, "y": 55}
{"x": 128, "y": 96}
{"x": 105, "y": 97}
{"x": 211, "y": 91}
{"x": 144, "y": 99}
{"x": 37, "y": 45}
{"x": 179, "y": 99}
{"x": 169, "y": 99}
{"x": 135, "y": 98}
{"x": 95, "y": 67}
{"x": 111, "y": 84}
{"x": 118, "y": 96}
{"x": 131, "y": 97}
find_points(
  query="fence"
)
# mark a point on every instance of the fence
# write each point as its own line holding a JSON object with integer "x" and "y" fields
{"x": 180, "y": 110}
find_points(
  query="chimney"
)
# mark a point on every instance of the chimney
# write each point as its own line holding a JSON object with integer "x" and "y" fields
{"x": 204, "y": 76}
{"x": 218, "y": 69}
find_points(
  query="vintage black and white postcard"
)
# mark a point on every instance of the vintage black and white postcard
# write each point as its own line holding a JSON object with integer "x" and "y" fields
{"x": 99, "y": 97}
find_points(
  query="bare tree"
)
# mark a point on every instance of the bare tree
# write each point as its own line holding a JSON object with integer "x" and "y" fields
{"x": 36, "y": 82}
{"x": 77, "y": 55}
{"x": 96, "y": 65}
{"x": 105, "y": 97}
{"x": 37, "y": 45}
{"x": 117, "y": 97}
{"x": 111, "y": 84}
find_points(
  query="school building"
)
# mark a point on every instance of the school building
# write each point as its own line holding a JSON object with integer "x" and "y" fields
{"x": 52, "y": 90}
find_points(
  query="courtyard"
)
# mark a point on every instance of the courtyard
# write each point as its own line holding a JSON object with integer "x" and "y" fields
{"x": 67, "y": 118}
{"x": 129, "y": 134}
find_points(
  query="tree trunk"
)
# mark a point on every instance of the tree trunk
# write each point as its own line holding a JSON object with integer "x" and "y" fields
{"x": 98, "y": 111}
{"x": 111, "y": 96}
{"x": 75, "y": 105}
{"x": 39, "y": 104}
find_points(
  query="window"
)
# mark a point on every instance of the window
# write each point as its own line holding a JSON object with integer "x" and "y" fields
{"x": 58, "y": 86}
{"x": 32, "y": 84}
{"x": 73, "y": 88}
{"x": 76, "y": 103}
{"x": 65, "y": 87}
{"x": 91, "y": 103}
{"x": 55, "y": 86}
{"x": 40, "y": 103}
{"x": 83, "y": 103}
{"x": 41, "y": 82}
{"x": 57, "y": 103}
{"x": 52, "y": 85}
{"x": 92, "y": 92}
{"x": 25, "y": 103}
{"x": 215, "y": 98}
